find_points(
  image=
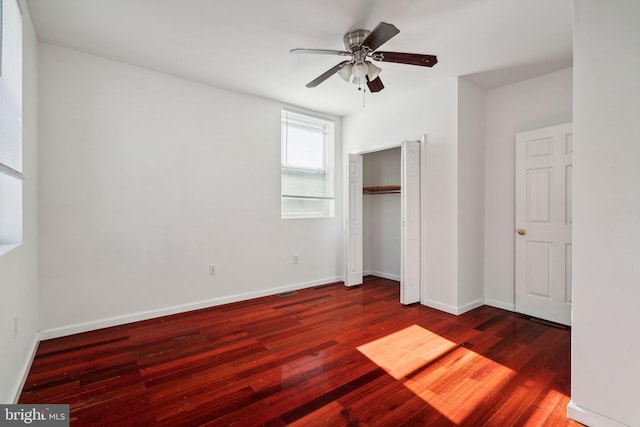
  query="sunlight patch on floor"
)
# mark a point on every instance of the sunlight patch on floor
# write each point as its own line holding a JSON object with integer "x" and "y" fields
{"x": 455, "y": 390}
{"x": 406, "y": 350}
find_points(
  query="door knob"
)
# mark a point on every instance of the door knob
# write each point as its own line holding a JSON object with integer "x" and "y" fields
{"x": 522, "y": 232}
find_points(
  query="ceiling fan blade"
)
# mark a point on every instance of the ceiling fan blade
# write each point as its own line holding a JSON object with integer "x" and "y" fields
{"x": 375, "y": 85}
{"x": 406, "y": 58}
{"x": 380, "y": 35}
{"x": 320, "y": 51}
{"x": 324, "y": 76}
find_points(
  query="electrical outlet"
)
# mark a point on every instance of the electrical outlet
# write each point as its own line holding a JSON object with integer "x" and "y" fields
{"x": 15, "y": 328}
{"x": 212, "y": 269}
{"x": 296, "y": 259}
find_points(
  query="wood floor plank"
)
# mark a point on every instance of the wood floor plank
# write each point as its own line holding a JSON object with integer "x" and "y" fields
{"x": 328, "y": 355}
{"x": 328, "y": 415}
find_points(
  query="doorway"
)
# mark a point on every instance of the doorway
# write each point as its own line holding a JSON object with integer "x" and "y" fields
{"x": 410, "y": 237}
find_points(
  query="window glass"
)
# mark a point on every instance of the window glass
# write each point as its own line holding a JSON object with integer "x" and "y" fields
{"x": 11, "y": 90}
{"x": 305, "y": 147}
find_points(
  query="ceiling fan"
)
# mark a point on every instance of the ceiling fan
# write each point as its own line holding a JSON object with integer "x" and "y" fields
{"x": 361, "y": 45}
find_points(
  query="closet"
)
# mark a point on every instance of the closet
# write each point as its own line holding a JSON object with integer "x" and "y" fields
{"x": 381, "y": 213}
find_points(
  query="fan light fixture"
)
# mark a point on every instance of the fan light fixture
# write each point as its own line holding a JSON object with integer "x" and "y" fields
{"x": 356, "y": 72}
{"x": 373, "y": 71}
{"x": 345, "y": 72}
{"x": 359, "y": 69}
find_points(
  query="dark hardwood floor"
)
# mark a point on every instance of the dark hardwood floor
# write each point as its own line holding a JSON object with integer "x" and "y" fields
{"x": 327, "y": 355}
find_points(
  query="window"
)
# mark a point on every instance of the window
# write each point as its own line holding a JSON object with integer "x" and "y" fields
{"x": 307, "y": 166}
{"x": 10, "y": 124}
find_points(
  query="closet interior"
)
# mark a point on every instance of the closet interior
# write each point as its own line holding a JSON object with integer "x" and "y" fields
{"x": 381, "y": 215}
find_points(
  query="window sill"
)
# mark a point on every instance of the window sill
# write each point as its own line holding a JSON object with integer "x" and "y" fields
{"x": 305, "y": 216}
{"x": 7, "y": 247}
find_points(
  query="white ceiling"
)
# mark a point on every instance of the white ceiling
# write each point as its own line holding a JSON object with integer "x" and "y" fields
{"x": 243, "y": 45}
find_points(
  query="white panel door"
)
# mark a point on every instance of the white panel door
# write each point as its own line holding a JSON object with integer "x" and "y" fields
{"x": 543, "y": 223}
{"x": 410, "y": 245}
{"x": 354, "y": 221}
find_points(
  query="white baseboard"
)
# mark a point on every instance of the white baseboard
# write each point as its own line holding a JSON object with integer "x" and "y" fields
{"x": 589, "y": 418}
{"x": 439, "y": 306}
{"x": 389, "y": 276}
{"x": 145, "y": 315}
{"x": 470, "y": 306}
{"x": 24, "y": 371}
{"x": 453, "y": 309}
{"x": 500, "y": 304}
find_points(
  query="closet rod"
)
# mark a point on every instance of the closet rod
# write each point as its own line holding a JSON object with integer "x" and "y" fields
{"x": 383, "y": 189}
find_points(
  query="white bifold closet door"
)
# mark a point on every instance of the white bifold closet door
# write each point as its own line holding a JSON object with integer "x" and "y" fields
{"x": 354, "y": 221}
{"x": 410, "y": 223}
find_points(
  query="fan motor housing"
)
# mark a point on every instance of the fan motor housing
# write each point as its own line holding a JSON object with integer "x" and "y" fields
{"x": 353, "y": 39}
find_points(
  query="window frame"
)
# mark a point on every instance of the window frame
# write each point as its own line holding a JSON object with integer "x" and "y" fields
{"x": 328, "y": 127}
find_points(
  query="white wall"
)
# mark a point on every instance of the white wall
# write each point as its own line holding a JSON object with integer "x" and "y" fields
{"x": 531, "y": 104}
{"x": 381, "y": 215}
{"x": 471, "y": 162}
{"x": 18, "y": 268}
{"x": 433, "y": 110}
{"x": 146, "y": 179}
{"x": 606, "y": 231}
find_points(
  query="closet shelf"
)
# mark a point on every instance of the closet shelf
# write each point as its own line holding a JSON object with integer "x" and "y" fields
{"x": 383, "y": 189}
